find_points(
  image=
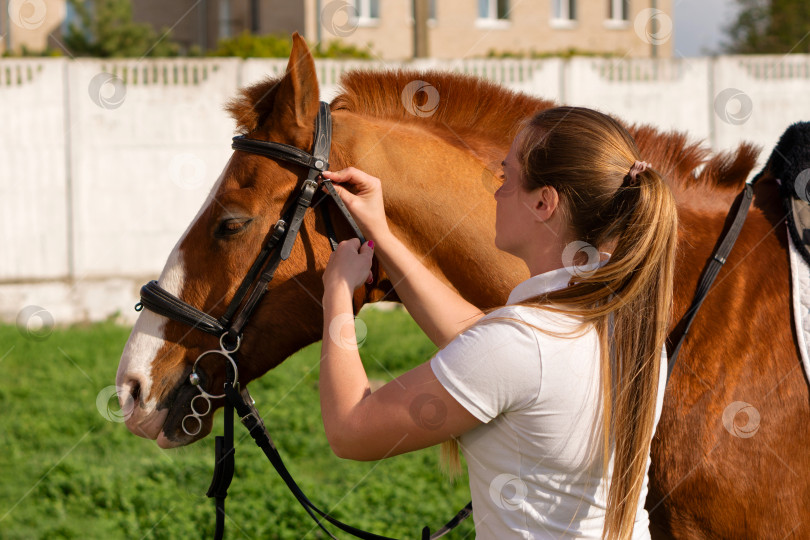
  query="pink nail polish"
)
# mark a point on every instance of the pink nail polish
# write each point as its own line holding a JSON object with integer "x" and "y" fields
{"x": 371, "y": 244}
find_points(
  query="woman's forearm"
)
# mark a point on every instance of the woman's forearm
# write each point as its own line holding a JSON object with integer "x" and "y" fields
{"x": 343, "y": 382}
{"x": 439, "y": 310}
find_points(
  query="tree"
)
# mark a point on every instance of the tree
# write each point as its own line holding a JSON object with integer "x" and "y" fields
{"x": 105, "y": 29}
{"x": 770, "y": 27}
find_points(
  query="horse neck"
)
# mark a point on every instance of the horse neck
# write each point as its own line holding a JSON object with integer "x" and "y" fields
{"x": 439, "y": 202}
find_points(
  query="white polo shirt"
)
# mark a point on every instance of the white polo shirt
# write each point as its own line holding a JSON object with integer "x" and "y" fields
{"x": 538, "y": 396}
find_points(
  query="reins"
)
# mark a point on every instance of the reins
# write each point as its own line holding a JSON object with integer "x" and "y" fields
{"x": 713, "y": 267}
{"x": 229, "y": 330}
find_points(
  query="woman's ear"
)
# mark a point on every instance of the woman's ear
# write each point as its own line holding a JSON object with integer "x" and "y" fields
{"x": 543, "y": 202}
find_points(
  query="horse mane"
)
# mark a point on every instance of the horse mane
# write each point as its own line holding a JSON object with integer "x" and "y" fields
{"x": 471, "y": 108}
{"x": 467, "y": 104}
{"x": 470, "y": 105}
{"x": 672, "y": 155}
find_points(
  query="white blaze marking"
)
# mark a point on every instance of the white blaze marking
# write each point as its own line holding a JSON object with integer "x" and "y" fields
{"x": 147, "y": 335}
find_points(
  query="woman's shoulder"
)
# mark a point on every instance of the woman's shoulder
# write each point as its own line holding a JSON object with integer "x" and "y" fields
{"x": 535, "y": 315}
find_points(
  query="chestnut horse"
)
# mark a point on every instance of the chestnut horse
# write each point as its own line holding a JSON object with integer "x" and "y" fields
{"x": 439, "y": 160}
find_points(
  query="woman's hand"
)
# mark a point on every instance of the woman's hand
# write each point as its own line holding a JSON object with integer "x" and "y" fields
{"x": 364, "y": 201}
{"x": 348, "y": 265}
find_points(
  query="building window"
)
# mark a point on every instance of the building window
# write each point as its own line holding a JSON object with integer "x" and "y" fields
{"x": 565, "y": 10}
{"x": 618, "y": 15}
{"x": 224, "y": 19}
{"x": 619, "y": 10}
{"x": 493, "y": 9}
{"x": 367, "y": 10}
{"x": 563, "y": 14}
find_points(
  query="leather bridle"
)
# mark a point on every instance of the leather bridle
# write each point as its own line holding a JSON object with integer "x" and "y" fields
{"x": 230, "y": 325}
{"x": 285, "y": 232}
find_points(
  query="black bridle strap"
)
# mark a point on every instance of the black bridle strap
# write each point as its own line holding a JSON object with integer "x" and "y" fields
{"x": 713, "y": 267}
{"x": 320, "y": 155}
{"x": 256, "y": 296}
{"x": 278, "y": 151}
{"x": 252, "y": 421}
{"x": 224, "y": 464}
{"x": 304, "y": 201}
{"x": 156, "y": 299}
{"x": 278, "y": 232}
{"x": 330, "y": 189}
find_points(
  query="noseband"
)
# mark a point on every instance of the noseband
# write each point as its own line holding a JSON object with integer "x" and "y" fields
{"x": 230, "y": 325}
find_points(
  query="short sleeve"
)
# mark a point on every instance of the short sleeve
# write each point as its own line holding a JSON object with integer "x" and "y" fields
{"x": 492, "y": 367}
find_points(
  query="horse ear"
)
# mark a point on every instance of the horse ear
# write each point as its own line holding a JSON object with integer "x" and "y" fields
{"x": 292, "y": 101}
{"x": 297, "y": 100}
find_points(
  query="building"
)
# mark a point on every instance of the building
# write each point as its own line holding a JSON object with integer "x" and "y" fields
{"x": 474, "y": 28}
{"x": 27, "y": 24}
{"x": 455, "y": 28}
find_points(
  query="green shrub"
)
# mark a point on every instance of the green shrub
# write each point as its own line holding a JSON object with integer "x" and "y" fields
{"x": 247, "y": 45}
{"x": 564, "y": 53}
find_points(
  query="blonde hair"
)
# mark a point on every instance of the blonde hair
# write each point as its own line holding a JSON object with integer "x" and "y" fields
{"x": 587, "y": 156}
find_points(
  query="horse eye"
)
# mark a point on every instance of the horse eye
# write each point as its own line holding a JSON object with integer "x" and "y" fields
{"x": 230, "y": 227}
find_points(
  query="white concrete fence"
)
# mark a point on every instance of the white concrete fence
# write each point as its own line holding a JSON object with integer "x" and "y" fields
{"x": 103, "y": 163}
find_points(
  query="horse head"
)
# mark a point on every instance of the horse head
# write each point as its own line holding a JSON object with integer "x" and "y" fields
{"x": 439, "y": 160}
{"x": 210, "y": 260}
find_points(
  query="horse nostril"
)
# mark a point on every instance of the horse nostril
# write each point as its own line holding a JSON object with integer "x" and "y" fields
{"x": 130, "y": 393}
{"x": 135, "y": 391}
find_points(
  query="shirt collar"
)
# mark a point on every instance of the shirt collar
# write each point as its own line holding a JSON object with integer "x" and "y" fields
{"x": 551, "y": 280}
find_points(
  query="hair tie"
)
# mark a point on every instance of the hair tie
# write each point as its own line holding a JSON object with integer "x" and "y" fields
{"x": 632, "y": 177}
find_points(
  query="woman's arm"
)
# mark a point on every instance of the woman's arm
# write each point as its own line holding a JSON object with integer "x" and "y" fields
{"x": 413, "y": 411}
{"x": 439, "y": 310}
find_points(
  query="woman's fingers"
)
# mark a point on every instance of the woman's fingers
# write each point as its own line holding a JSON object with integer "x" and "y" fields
{"x": 350, "y": 263}
{"x": 362, "y": 194}
{"x": 349, "y": 175}
{"x": 368, "y": 247}
{"x": 360, "y": 180}
{"x": 352, "y": 244}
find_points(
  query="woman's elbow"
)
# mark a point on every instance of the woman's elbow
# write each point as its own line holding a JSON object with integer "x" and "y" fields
{"x": 349, "y": 449}
{"x": 339, "y": 445}
{"x": 339, "y": 450}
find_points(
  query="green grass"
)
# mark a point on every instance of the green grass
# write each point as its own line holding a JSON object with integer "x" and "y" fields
{"x": 67, "y": 472}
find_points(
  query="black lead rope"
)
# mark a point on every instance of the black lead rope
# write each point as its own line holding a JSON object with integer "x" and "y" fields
{"x": 223, "y": 470}
{"x": 242, "y": 404}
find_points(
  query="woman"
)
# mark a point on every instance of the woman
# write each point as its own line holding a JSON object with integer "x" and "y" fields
{"x": 553, "y": 398}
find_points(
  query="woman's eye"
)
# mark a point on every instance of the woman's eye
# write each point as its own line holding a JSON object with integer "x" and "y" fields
{"x": 230, "y": 227}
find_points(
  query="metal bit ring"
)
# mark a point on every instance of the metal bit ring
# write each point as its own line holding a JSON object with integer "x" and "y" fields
{"x": 199, "y": 424}
{"x": 221, "y": 353}
{"x": 194, "y": 410}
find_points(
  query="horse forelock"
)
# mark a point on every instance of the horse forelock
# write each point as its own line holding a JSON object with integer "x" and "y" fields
{"x": 254, "y": 104}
